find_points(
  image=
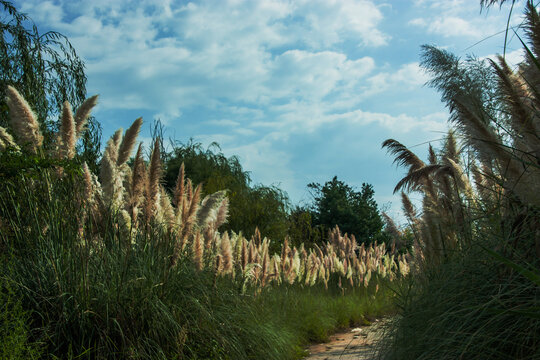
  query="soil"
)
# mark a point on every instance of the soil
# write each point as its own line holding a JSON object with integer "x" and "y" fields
{"x": 354, "y": 343}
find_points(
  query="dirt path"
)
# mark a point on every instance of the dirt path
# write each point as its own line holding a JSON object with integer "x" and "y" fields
{"x": 356, "y": 343}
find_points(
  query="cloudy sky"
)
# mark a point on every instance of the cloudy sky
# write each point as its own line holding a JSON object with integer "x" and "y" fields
{"x": 299, "y": 90}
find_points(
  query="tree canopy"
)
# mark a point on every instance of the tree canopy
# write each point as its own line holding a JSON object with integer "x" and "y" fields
{"x": 355, "y": 212}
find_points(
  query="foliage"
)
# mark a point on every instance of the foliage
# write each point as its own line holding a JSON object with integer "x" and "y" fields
{"x": 14, "y": 328}
{"x": 250, "y": 206}
{"x": 97, "y": 298}
{"x": 47, "y": 72}
{"x": 469, "y": 308}
{"x": 355, "y": 212}
{"x": 302, "y": 230}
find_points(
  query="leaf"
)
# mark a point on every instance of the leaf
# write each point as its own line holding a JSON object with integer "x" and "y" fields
{"x": 532, "y": 275}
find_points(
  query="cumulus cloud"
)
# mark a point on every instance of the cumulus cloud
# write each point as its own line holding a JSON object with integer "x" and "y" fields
{"x": 165, "y": 56}
{"x": 259, "y": 77}
{"x": 459, "y": 18}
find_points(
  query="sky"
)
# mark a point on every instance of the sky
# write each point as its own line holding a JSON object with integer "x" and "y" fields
{"x": 301, "y": 91}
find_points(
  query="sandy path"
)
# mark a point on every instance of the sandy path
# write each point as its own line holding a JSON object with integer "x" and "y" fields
{"x": 356, "y": 343}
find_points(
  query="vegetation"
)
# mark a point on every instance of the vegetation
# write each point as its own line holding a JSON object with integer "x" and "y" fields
{"x": 47, "y": 71}
{"x": 266, "y": 209}
{"x": 355, "y": 212}
{"x": 112, "y": 266}
{"x": 251, "y": 207}
{"x": 476, "y": 295}
{"x": 113, "y": 256}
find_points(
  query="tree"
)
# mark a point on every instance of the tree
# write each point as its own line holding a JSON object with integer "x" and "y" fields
{"x": 302, "y": 230}
{"x": 46, "y": 71}
{"x": 355, "y": 212}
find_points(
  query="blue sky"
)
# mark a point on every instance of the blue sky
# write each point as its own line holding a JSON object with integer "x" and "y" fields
{"x": 299, "y": 90}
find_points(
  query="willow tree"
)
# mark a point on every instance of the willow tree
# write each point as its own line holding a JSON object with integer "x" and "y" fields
{"x": 47, "y": 71}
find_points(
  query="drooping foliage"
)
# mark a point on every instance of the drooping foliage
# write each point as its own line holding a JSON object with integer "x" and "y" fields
{"x": 46, "y": 70}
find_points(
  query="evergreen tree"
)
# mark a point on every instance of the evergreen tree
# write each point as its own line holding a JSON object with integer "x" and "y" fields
{"x": 355, "y": 212}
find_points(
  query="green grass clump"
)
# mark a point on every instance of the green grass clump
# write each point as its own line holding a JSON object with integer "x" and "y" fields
{"x": 471, "y": 307}
{"x": 15, "y": 332}
{"x": 312, "y": 314}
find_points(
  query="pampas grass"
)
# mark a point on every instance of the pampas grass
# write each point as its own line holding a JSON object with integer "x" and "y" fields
{"x": 83, "y": 113}
{"x": 128, "y": 142}
{"x": 68, "y": 133}
{"x": 6, "y": 140}
{"x": 23, "y": 121}
{"x": 154, "y": 178}
{"x": 126, "y": 289}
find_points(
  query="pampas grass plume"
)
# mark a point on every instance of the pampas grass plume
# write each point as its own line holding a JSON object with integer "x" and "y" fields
{"x": 128, "y": 142}
{"x": 179, "y": 189}
{"x": 154, "y": 177}
{"x": 198, "y": 251}
{"x": 83, "y": 113}
{"x": 6, "y": 140}
{"x": 68, "y": 132}
{"x": 226, "y": 253}
{"x": 23, "y": 121}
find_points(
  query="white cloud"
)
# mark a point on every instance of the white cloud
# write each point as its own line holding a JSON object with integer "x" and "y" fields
{"x": 165, "y": 56}
{"x": 459, "y": 18}
{"x": 454, "y": 26}
{"x": 407, "y": 77}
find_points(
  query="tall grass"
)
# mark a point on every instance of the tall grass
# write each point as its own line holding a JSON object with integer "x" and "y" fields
{"x": 477, "y": 292}
{"x": 117, "y": 302}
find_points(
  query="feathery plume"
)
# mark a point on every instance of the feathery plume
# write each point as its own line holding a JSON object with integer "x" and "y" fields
{"x": 408, "y": 208}
{"x": 166, "y": 207}
{"x": 23, "y": 121}
{"x": 189, "y": 188}
{"x": 198, "y": 251}
{"x": 461, "y": 179}
{"x": 193, "y": 205}
{"x": 6, "y": 140}
{"x": 207, "y": 211}
{"x": 112, "y": 146}
{"x": 179, "y": 189}
{"x": 68, "y": 134}
{"x": 128, "y": 142}
{"x": 257, "y": 236}
{"x": 88, "y": 184}
{"x": 219, "y": 262}
{"x": 451, "y": 150}
{"x": 264, "y": 270}
{"x": 154, "y": 177}
{"x": 223, "y": 212}
{"x": 432, "y": 157}
{"x": 83, "y": 113}
{"x": 138, "y": 183}
{"x": 244, "y": 258}
{"x": 226, "y": 253}
{"x": 403, "y": 156}
{"x": 418, "y": 178}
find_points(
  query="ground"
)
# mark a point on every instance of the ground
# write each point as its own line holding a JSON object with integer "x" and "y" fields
{"x": 355, "y": 343}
